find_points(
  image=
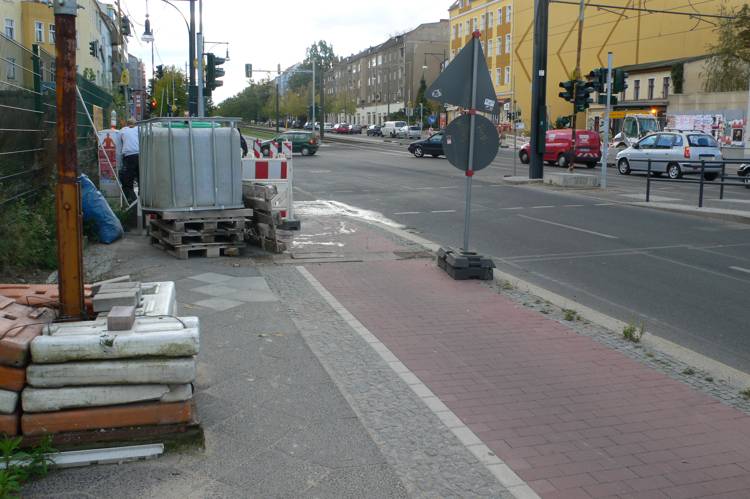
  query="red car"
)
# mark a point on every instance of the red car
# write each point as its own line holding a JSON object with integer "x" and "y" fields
{"x": 559, "y": 143}
{"x": 342, "y": 128}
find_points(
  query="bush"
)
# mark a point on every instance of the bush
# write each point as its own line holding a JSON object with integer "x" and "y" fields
{"x": 28, "y": 238}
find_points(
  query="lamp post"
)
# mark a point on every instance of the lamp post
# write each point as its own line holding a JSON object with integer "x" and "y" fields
{"x": 148, "y": 37}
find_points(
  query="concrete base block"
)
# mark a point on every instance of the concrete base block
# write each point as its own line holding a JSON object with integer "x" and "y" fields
{"x": 520, "y": 180}
{"x": 8, "y": 401}
{"x": 56, "y": 399}
{"x": 461, "y": 265}
{"x": 112, "y": 372}
{"x": 575, "y": 180}
{"x": 104, "y": 301}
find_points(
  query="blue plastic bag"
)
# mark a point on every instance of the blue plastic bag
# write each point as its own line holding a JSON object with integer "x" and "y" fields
{"x": 97, "y": 210}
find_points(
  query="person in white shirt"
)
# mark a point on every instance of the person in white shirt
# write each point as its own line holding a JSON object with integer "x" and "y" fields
{"x": 129, "y": 173}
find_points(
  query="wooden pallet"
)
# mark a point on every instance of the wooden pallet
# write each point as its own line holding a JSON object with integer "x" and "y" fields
{"x": 174, "y": 237}
{"x": 203, "y": 224}
{"x": 185, "y": 251}
{"x": 203, "y": 214}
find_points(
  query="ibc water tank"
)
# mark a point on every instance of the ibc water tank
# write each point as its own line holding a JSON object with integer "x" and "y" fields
{"x": 190, "y": 164}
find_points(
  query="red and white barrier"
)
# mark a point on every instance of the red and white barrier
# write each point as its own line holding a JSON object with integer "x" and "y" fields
{"x": 277, "y": 171}
{"x": 257, "y": 151}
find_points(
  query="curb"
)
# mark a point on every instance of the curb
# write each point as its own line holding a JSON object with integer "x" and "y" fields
{"x": 717, "y": 213}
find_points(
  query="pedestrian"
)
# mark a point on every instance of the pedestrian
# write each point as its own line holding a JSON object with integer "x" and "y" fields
{"x": 129, "y": 173}
{"x": 243, "y": 145}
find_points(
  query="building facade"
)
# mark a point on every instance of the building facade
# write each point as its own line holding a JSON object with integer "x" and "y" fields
{"x": 384, "y": 79}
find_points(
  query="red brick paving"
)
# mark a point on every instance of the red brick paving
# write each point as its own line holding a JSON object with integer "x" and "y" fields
{"x": 570, "y": 416}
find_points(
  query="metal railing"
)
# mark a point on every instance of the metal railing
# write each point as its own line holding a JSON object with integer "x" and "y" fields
{"x": 713, "y": 167}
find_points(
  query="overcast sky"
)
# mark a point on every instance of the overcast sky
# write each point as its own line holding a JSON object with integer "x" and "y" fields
{"x": 280, "y": 34}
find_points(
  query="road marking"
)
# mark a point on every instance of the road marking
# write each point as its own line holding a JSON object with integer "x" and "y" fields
{"x": 408, "y": 213}
{"x": 513, "y": 208}
{"x": 740, "y": 269}
{"x": 443, "y": 211}
{"x": 423, "y": 188}
{"x": 573, "y": 206}
{"x": 320, "y": 171}
{"x": 448, "y": 187}
{"x": 604, "y": 204}
{"x": 579, "y": 229}
{"x": 544, "y": 206}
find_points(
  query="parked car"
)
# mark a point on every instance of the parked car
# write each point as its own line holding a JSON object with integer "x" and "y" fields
{"x": 374, "y": 131}
{"x": 744, "y": 171}
{"x": 432, "y": 145}
{"x": 391, "y": 127}
{"x": 410, "y": 132}
{"x": 305, "y": 143}
{"x": 674, "y": 153}
{"x": 327, "y": 127}
{"x": 341, "y": 128}
{"x": 559, "y": 144}
{"x": 355, "y": 129}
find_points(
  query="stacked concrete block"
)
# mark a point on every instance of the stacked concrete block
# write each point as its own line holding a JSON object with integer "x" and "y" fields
{"x": 103, "y": 374}
{"x": 41, "y": 295}
{"x": 19, "y": 325}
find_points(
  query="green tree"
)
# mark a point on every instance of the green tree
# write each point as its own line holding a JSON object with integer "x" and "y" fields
{"x": 250, "y": 104}
{"x": 171, "y": 89}
{"x": 729, "y": 67}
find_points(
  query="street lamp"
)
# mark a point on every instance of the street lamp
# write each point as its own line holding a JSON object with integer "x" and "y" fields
{"x": 148, "y": 37}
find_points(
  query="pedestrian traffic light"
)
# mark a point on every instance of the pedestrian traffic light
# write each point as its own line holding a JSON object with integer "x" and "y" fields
{"x": 213, "y": 72}
{"x": 159, "y": 72}
{"x": 583, "y": 93}
{"x": 153, "y": 104}
{"x": 568, "y": 94}
{"x": 93, "y": 48}
{"x": 598, "y": 78}
{"x": 248, "y": 70}
{"x": 619, "y": 78}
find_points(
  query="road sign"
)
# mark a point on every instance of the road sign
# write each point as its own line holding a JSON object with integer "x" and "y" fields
{"x": 456, "y": 142}
{"x": 454, "y": 85}
{"x": 431, "y": 119}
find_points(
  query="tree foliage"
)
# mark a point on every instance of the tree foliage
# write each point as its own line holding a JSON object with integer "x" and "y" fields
{"x": 250, "y": 104}
{"x": 728, "y": 69}
{"x": 167, "y": 93}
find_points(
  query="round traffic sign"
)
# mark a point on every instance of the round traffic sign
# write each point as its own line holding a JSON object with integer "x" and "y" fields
{"x": 456, "y": 142}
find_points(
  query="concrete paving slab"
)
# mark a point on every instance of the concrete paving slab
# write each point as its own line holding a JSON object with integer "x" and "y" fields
{"x": 218, "y": 304}
{"x": 211, "y": 277}
{"x": 214, "y": 290}
{"x": 255, "y": 283}
{"x": 254, "y": 295}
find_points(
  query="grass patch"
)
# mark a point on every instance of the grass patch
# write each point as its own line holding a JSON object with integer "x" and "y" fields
{"x": 745, "y": 394}
{"x": 258, "y": 133}
{"x": 20, "y": 465}
{"x": 28, "y": 235}
{"x": 689, "y": 371}
{"x": 632, "y": 333}
{"x": 570, "y": 315}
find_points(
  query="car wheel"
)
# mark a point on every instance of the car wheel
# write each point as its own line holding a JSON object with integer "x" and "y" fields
{"x": 393, "y": 135}
{"x": 655, "y": 174}
{"x": 623, "y": 167}
{"x": 747, "y": 182}
{"x": 562, "y": 161}
{"x": 710, "y": 176}
{"x": 305, "y": 151}
{"x": 524, "y": 157}
{"x": 674, "y": 171}
{"x": 590, "y": 165}
{"x": 435, "y": 155}
{"x": 266, "y": 152}
{"x": 418, "y": 152}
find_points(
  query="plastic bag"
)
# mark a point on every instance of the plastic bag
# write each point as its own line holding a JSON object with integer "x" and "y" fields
{"x": 97, "y": 210}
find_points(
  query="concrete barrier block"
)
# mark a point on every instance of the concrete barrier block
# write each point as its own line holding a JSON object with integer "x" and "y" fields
{"x": 56, "y": 399}
{"x": 575, "y": 180}
{"x": 112, "y": 372}
{"x": 153, "y": 413}
{"x": 19, "y": 325}
{"x": 141, "y": 325}
{"x": 8, "y": 401}
{"x": 104, "y": 301}
{"x": 10, "y": 424}
{"x": 12, "y": 378}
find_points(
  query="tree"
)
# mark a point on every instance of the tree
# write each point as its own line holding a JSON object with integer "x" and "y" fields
{"x": 250, "y": 103}
{"x": 171, "y": 89}
{"x": 728, "y": 69}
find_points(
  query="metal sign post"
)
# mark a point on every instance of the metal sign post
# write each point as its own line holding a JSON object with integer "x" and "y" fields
{"x": 470, "y": 160}
{"x": 607, "y": 109}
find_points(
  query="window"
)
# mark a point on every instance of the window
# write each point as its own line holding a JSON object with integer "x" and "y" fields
{"x": 490, "y": 20}
{"x": 500, "y": 16}
{"x": 483, "y": 22}
{"x": 665, "y": 88}
{"x": 38, "y": 31}
{"x": 10, "y": 73}
{"x": 507, "y": 75}
{"x": 507, "y": 43}
{"x": 664, "y": 141}
{"x": 468, "y": 28}
{"x": 508, "y": 15}
{"x": 636, "y": 89}
{"x": 489, "y": 47}
{"x": 455, "y": 31}
{"x": 702, "y": 141}
{"x": 497, "y": 76}
{"x": 649, "y": 142}
{"x": 499, "y": 46}
{"x": 10, "y": 28}
{"x": 651, "y": 88}
{"x": 51, "y": 34}
{"x": 475, "y": 25}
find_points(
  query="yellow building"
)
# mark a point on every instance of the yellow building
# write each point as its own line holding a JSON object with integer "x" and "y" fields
{"x": 494, "y": 20}
{"x": 634, "y": 37}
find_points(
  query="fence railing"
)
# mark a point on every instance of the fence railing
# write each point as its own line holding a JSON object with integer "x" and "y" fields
{"x": 28, "y": 119}
{"x": 716, "y": 169}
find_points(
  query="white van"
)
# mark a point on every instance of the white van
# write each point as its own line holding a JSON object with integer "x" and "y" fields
{"x": 391, "y": 128}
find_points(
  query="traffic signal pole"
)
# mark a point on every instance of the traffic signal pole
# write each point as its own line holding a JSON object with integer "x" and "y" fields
{"x": 605, "y": 152}
{"x": 539, "y": 90}
{"x": 577, "y": 78}
{"x": 68, "y": 190}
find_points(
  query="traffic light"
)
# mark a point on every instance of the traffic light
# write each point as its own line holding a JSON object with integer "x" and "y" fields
{"x": 582, "y": 95}
{"x": 603, "y": 99}
{"x": 248, "y": 70}
{"x": 619, "y": 78}
{"x": 153, "y": 104}
{"x": 213, "y": 72}
{"x": 125, "y": 26}
{"x": 598, "y": 77}
{"x": 569, "y": 89}
{"x": 93, "y": 46}
{"x": 159, "y": 72}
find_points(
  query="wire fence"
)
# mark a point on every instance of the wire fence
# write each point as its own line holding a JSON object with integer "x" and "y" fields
{"x": 28, "y": 120}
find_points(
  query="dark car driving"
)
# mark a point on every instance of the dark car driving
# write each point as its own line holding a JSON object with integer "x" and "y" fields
{"x": 432, "y": 145}
{"x": 305, "y": 143}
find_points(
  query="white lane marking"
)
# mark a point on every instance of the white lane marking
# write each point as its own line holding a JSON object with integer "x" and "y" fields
{"x": 513, "y": 208}
{"x": 408, "y": 213}
{"x": 579, "y": 229}
{"x": 504, "y": 474}
{"x": 740, "y": 269}
{"x": 320, "y": 171}
{"x": 544, "y": 206}
{"x": 423, "y": 188}
{"x": 604, "y": 204}
{"x": 443, "y": 211}
{"x": 573, "y": 206}
{"x": 448, "y": 187}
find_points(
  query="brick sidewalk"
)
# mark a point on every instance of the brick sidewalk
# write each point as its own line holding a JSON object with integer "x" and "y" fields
{"x": 570, "y": 416}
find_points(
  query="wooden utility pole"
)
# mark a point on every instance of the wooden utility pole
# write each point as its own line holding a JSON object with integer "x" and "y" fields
{"x": 68, "y": 190}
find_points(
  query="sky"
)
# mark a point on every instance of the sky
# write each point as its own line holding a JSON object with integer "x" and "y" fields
{"x": 267, "y": 37}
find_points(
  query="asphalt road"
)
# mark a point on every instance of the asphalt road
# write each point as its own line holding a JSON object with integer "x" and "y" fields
{"x": 685, "y": 277}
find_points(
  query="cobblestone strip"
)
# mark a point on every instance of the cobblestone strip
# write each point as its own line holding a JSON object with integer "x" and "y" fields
{"x": 434, "y": 454}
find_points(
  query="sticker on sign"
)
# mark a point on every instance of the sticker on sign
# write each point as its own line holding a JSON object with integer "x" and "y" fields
{"x": 489, "y": 104}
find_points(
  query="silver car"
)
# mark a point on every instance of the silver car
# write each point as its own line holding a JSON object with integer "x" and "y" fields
{"x": 409, "y": 132}
{"x": 675, "y": 153}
